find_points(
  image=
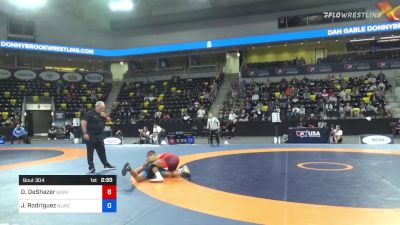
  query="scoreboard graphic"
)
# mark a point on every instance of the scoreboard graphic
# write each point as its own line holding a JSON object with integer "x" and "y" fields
{"x": 67, "y": 194}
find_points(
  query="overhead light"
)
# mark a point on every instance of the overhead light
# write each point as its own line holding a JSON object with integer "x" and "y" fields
{"x": 238, "y": 54}
{"x": 389, "y": 37}
{"x": 28, "y": 4}
{"x": 319, "y": 42}
{"x": 337, "y": 40}
{"x": 302, "y": 43}
{"x": 122, "y": 63}
{"x": 269, "y": 46}
{"x": 363, "y": 39}
{"x": 120, "y": 5}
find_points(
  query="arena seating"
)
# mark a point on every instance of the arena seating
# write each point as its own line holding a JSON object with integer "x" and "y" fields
{"x": 334, "y": 97}
{"x": 171, "y": 98}
{"x": 72, "y": 97}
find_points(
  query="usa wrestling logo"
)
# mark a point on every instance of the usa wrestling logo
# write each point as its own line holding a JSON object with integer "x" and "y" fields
{"x": 308, "y": 133}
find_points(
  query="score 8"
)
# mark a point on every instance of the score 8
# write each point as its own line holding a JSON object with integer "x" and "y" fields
{"x": 109, "y": 192}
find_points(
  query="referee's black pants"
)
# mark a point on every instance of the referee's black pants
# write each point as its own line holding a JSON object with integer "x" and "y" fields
{"x": 212, "y": 134}
{"x": 96, "y": 143}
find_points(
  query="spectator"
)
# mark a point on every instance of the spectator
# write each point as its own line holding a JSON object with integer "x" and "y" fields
{"x": 156, "y": 135}
{"x": 396, "y": 128}
{"x": 201, "y": 113}
{"x": 19, "y": 134}
{"x": 144, "y": 136}
{"x": 337, "y": 135}
{"x": 52, "y": 133}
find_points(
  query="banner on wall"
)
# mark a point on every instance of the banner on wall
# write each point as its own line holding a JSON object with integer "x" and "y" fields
{"x": 376, "y": 139}
{"x": 94, "y": 77}
{"x": 49, "y": 75}
{"x": 72, "y": 77}
{"x": 382, "y": 64}
{"x": 395, "y": 64}
{"x": 59, "y": 118}
{"x": 25, "y": 75}
{"x": 4, "y": 74}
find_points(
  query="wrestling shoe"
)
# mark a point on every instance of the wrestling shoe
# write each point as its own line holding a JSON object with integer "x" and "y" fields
{"x": 185, "y": 172}
{"x": 109, "y": 167}
{"x": 127, "y": 167}
{"x": 93, "y": 170}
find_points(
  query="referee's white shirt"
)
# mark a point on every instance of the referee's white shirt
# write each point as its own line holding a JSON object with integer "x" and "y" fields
{"x": 213, "y": 123}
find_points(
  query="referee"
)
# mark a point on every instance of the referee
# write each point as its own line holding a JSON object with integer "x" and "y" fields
{"x": 93, "y": 124}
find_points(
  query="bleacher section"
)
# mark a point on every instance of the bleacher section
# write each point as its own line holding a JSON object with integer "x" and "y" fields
{"x": 333, "y": 97}
{"x": 139, "y": 101}
{"x": 74, "y": 98}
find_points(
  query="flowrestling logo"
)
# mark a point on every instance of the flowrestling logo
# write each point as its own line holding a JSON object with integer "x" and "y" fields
{"x": 385, "y": 7}
{"x": 392, "y": 14}
{"x": 45, "y": 47}
{"x": 308, "y": 134}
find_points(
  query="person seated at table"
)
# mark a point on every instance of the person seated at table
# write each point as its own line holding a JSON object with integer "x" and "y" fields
{"x": 396, "y": 128}
{"x": 119, "y": 134}
{"x": 19, "y": 133}
{"x": 144, "y": 136}
{"x": 337, "y": 135}
{"x": 52, "y": 133}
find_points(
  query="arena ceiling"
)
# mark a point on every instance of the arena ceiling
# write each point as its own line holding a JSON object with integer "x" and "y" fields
{"x": 155, "y": 13}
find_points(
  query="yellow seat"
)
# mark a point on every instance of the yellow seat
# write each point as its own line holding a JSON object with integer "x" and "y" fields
{"x": 5, "y": 115}
{"x": 47, "y": 85}
{"x": 77, "y": 114}
{"x": 63, "y": 105}
{"x": 277, "y": 94}
{"x": 337, "y": 86}
{"x": 356, "y": 111}
{"x": 161, "y": 107}
{"x": 369, "y": 93}
{"x": 173, "y": 89}
{"x": 202, "y": 97}
{"x": 7, "y": 94}
{"x": 84, "y": 86}
{"x": 35, "y": 98}
{"x": 22, "y": 87}
{"x": 46, "y": 94}
{"x": 137, "y": 85}
{"x": 102, "y": 84}
{"x": 264, "y": 108}
{"x": 152, "y": 87}
{"x": 178, "y": 91}
{"x": 89, "y": 92}
{"x": 100, "y": 95}
{"x": 205, "y": 83}
{"x": 65, "y": 91}
{"x": 89, "y": 106}
{"x": 84, "y": 98}
{"x": 131, "y": 94}
{"x": 346, "y": 78}
{"x": 145, "y": 111}
{"x": 13, "y": 101}
{"x": 366, "y": 99}
{"x": 146, "y": 104}
{"x": 98, "y": 89}
{"x": 161, "y": 96}
{"x": 348, "y": 90}
{"x": 165, "y": 83}
{"x": 184, "y": 110}
{"x": 313, "y": 98}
